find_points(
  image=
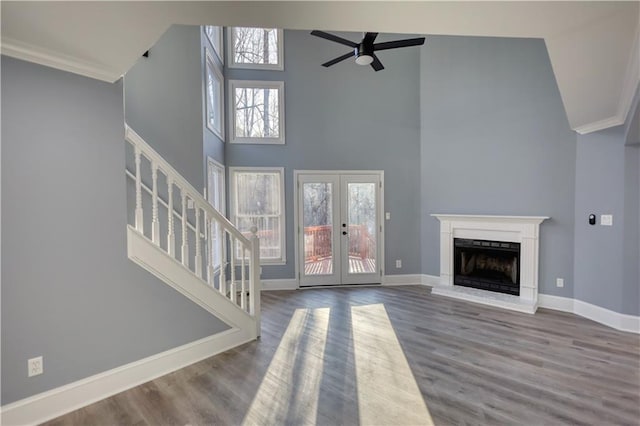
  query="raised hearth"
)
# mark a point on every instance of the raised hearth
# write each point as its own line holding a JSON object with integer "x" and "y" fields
{"x": 518, "y": 279}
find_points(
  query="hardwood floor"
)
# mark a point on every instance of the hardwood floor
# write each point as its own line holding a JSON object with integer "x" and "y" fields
{"x": 396, "y": 355}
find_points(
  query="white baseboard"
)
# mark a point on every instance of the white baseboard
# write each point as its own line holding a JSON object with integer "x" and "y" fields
{"x": 622, "y": 322}
{"x": 56, "y": 402}
{"x": 280, "y": 284}
{"x": 557, "y": 303}
{"x": 430, "y": 280}
{"x": 402, "y": 279}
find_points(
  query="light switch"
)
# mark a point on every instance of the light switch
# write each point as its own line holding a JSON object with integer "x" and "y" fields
{"x": 606, "y": 219}
{"x": 387, "y": 215}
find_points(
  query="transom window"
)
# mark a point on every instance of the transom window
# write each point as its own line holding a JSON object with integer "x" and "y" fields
{"x": 256, "y": 109}
{"x": 259, "y": 48}
{"x": 257, "y": 199}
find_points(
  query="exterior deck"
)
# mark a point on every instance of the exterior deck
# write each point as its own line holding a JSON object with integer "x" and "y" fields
{"x": 357, "y": 265}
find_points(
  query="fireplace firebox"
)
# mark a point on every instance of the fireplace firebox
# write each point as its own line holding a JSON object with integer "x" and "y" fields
{"x": 487, "y": 265}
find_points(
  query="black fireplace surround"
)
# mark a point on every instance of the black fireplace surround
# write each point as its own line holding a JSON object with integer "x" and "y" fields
{"x": 487, "y": 265}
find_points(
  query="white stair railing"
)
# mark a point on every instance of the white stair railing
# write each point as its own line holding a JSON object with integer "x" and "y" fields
{"x": 238, "y": 254}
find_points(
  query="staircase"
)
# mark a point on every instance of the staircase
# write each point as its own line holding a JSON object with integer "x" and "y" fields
{"x": 180, "y": 238}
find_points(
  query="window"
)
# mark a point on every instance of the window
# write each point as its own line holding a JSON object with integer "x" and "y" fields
{"x": 214, "y": 97}
{"x": 215, "y": 195}
{"x": 257, "y": 199}
{"x": 257, "y": 48}
{"x": 214, "y": 34}
{"x": 256, "y": 109}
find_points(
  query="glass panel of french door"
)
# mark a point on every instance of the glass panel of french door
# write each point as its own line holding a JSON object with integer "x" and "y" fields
{"x": 361, "y": 228}
{"x": 318, "y": 237}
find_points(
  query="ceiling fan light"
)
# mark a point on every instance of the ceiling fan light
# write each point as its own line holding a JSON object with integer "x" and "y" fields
{"x": 364, "y": 59}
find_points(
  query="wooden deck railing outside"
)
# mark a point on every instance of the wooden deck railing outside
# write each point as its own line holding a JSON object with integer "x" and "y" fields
{"x": 318, "y": 242}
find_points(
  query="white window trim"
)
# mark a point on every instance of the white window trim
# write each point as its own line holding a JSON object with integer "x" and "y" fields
{"x": 217, "y": 47}
{"x": 259, "y": 84}
{"x": 283, "y": 225}
{"x": 212, "y": 165}
{"x": 274, "y": 67}
{"x": 217, "y": 73}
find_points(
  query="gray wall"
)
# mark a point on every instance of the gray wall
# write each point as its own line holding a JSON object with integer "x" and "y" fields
{"x": 69, "y": 292}
{"x": 164, "y": 100}
{"x": 347, "y": 117}
{"x": 606, "y": 257}
{"x": 495, "y": 140}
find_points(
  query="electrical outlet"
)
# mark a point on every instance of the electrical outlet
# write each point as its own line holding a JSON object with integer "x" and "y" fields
{"x": 606, "y": 219}
{"x": 387, "y": 215}
{"x": 398, "y": 264}
{"x": 35, "y": 366}
{"x": 559, "y": 282}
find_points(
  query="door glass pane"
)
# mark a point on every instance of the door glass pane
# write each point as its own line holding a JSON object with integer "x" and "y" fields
{"x": 361, "y": 198}
{"x": 318, "y": 228}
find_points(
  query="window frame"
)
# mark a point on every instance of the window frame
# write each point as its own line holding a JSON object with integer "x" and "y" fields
{"x": 231, "y": 52}
{"x": 256, "y": 84}
{"x": 218, "y": 47}
{"x": 282, "y": 260}
{"x": 210, "y": 63}
{"x": 213, "y": 165}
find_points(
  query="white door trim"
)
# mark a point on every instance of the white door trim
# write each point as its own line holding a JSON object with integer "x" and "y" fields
{"x": 381, "y": 239}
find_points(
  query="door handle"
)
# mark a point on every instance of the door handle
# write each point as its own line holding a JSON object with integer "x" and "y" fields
{"x": 344, "y": 232}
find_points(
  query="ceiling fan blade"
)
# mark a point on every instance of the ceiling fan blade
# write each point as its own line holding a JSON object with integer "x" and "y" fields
{"x": 333, "y": 38}
{"x": 369, "y": 38}
{"x": 399, "y": 43}
{"x": 338, "y": 59}
{"x": 376, "y": 64}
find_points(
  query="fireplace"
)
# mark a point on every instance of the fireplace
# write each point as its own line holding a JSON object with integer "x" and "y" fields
{"x": 490, "y": 259}
{"x": 487, "y": 265}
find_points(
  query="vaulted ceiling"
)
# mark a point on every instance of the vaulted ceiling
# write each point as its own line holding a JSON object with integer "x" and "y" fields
{"x": 593, "y": 46}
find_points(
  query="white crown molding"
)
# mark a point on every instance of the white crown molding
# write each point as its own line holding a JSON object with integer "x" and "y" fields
{"x": 30, "y": 53}
{"x": 616, "y": 120}
{"x": 625, "y": 102}
{"x": 279, "y": 284}
{"x": 56, "y": 402}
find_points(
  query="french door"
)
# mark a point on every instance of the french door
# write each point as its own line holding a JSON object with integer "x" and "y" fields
{"x": 339, "y": 227}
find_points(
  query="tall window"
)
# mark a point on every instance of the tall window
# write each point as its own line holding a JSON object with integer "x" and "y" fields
{"x": 257, "y": 199}
{"x": 214, "y": 34}
{"x": 214, "y": 97}
{"x": 256, "y": 109}
{"x": 215, "y": 196}
{"x": 258, "y": 48}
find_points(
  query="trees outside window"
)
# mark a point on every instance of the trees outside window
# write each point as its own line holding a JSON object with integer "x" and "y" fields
{"x": 257, "y": 199}
{"x": 257, "y": 111}
{"x": 259, "y": 48}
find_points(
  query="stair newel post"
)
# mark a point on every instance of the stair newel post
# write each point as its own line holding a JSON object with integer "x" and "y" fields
{"x": 255, "y": 286}
{"x": 185, "y": 244}
{"x": 155, "y": 222}
{"x": 139, "y": 217}
{"x": 198, "y": 256}
{"x": 233, "y": 290}
{"x": 171, "y": 237}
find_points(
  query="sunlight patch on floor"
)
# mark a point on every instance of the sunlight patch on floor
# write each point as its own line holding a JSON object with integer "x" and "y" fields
{"x": 290, "y": 389}
{"x": 387, "y": 391}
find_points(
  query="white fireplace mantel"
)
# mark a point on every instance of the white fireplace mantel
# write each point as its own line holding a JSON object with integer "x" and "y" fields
{"x": 519, "y": 229}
